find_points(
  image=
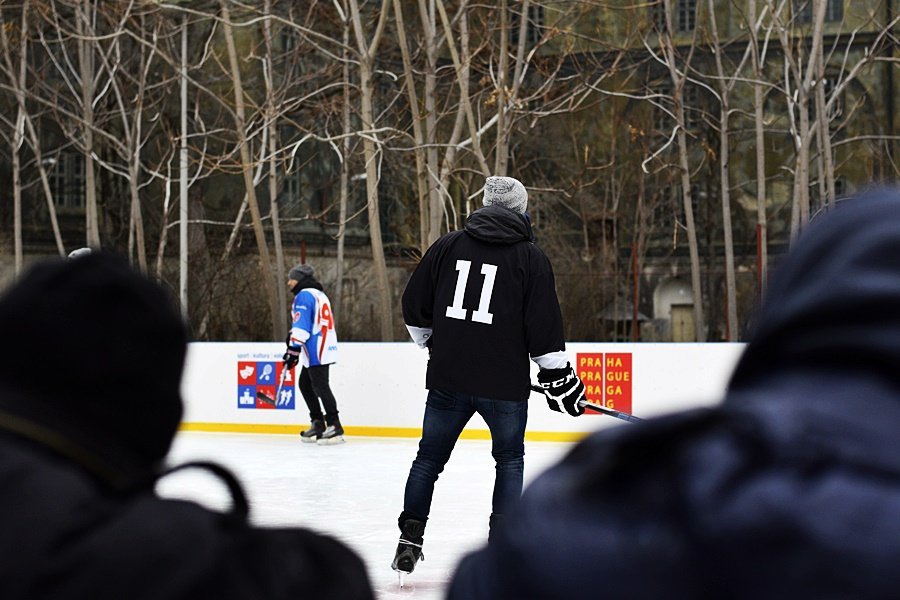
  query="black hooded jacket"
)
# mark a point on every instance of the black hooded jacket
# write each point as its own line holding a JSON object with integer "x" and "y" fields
{"x": 489, "y": 295}
{"x": 790, "y": 489}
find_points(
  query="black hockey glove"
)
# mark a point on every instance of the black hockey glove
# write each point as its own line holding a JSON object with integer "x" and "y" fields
{"x": 291, "y": 357}
{"x": 563, "y": 389}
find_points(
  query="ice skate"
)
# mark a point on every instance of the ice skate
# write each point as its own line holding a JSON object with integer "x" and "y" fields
{"x": 409, "y": 548}
{"x": 406, "y": 558}
{"x": 315, "y": 431}
{"x": 333, "y": 434}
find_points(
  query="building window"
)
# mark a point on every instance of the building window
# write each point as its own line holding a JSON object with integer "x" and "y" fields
{"x": 837, "y": 109}
{"x": 533, "y": 27}
{"x": 309, "y": 191}
{"x": 287, "y": 39}
{"x": 834, "y": 11}
{"x": 663, "y": 122}
{"x": 658, "y": 16}
{"x": 840, "y": 187}
{"x": 691, "y": 101}
{"x": 662, "y": 197}
{"x": 803, "y": 11}
{"x": 66, "y": 173}
{"x": 686, "y": 15}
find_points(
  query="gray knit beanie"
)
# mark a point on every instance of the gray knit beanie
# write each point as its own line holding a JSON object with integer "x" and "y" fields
{"x": 507, "y": 192}
{"x": 301, "y": 271}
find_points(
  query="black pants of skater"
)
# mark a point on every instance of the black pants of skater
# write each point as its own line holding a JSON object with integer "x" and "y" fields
{"x": 314, "y": 386}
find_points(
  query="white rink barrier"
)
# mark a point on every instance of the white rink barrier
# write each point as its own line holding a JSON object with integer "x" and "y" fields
{"x": 380, "y": 387}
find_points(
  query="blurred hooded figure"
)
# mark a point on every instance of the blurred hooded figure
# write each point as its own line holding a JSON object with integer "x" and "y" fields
{"x": 90, "y": 374}
{"x": 789, "y": 489}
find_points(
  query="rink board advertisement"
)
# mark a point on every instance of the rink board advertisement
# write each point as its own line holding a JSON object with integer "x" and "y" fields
{"x": 264, "y": 384}
{"x": 380, "y": 388}
{"x": 606, "y": 378}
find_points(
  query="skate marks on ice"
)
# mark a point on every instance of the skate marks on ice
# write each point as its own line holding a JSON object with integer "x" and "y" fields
{"x": 414, "y": 588}
{"x": 354, "y": 492}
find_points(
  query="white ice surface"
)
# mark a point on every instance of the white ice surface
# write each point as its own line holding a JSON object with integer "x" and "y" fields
{"x": 354, "y": 491}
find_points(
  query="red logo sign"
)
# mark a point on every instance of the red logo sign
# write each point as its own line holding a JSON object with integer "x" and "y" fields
{"x": 607, "y": 378}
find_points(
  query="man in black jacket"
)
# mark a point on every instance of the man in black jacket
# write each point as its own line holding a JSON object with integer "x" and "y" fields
{"x": 482, "y": 301}
{"x": 789, "y": 489}
{"x": 90, "y": 370}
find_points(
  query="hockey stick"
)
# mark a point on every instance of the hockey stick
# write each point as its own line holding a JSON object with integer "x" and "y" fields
{"x": 284, "y": 372}
{"x": 274, "y": 401}
{"x": 600, "y": 409}
{"x": 261, "y": 396}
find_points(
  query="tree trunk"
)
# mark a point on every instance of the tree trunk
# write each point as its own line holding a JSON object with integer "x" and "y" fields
{"x": 678, "y": 82}
{"x": 281, "y": 309}
{"x": 725, "y": 179}
{"x": 137, "y": 218}
{"x": 18, "y": 81}
{"x": 17, "y": 191}
{"x": 183, "y": 156}
{"x": 463, "y": 87}
{"x": 418, "y": 135}
{"x": 247, "y": 168}
{"x": 345, "y": 163}
{"x": 759, "y": 131}
{"x": 435, "y": 196}
{"x": 448, "y": 164}
{"x": 370, "y": 155}
{"x": 501, "y": 150}
{"x": 823, "y": 124}
{"x": 86, "y": 72}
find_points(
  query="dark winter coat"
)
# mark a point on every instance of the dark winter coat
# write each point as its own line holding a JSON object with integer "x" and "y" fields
{"x": 67, "y": 535}
{"x": 790, "y": 489}
{"x": 508, "y": 309}
{"x": 90, "y": 370}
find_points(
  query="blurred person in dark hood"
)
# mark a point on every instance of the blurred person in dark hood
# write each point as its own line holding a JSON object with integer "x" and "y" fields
{"x": 789, "y": 489}
{"x": 90, "y": 374}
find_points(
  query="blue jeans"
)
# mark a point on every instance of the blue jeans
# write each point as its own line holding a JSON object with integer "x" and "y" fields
{"x": 446, "y": 414}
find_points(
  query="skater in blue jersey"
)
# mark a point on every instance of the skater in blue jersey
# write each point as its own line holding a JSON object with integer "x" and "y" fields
{"x": 313, "y": 343}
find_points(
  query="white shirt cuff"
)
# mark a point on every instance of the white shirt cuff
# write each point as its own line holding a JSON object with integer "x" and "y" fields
{"x": 419, "y": 335}
{"x": 552, "y": 360}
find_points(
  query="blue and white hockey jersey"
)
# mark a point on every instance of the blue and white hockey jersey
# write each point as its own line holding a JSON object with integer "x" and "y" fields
{"x": 312, "y": 328}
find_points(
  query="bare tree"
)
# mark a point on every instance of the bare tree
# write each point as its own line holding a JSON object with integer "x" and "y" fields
{"x": 679, "y": 76}
{"x": 725, "y": 85}
{"x": 366, "y": 53}
{"x": 17, "y": 77}
{"x": 462, "y": 79}
{"x": 70, "y": 49}
{"x": 240, "y": 122}
{"x": 344, "y": 190}
{"x": 130, "y": 65}
{"x": 799, "y": 79}
{"x": 271, "y": 117}
{"x": 85, "y": 17}
{"x": 758, "y": 56}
